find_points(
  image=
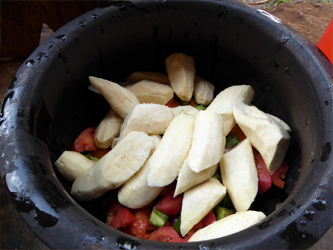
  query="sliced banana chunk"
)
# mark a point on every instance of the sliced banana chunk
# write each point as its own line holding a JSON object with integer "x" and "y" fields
{"x": 136, "y": 193}
{"x": 187, "y": 178}
{"x": 188, "y": 109}
{"x": 181, "y": 73}
{"x": 152, "y": 119}
{"x": 199, "y": 201}
{"x": 172, "y": 151}
{"x": 152, "y": 92}
{"x": 71, "y": 164}
{"x": 228, "y": 225}
{"x": 267, "y": 135}
{"x": 121, "y": 100}
{"x": 108, "y": 129}
{"x": 150, "y": 76}
{"x": 208, "y": 142}
{"x": 115, "y": 168}
{"x": 226, "y": 99}
{"x": 203, "y": 92}
{"x": 239, "y": 175}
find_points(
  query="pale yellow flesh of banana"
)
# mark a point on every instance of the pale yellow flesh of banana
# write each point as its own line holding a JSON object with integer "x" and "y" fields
{"x": 152, "y": 92}
{"x": 199, "y": 201}
{"x": 172, "y": 151}
{"x": 115, "y": 168}
{"x": 188, "y": 109}
{"x": 71, "y": 164}
{"x": 181, "y": 73}
{"x": 228, "y": 225}
{"x": 203, "y": 92}
{"x": 121, "y": 100}
{"x": 108, "y": 129}
{"x": 239, "y": 175}
{"x": 267, "y": 135}
{"x": 225, "y": 101}
{"x": 208, "y": 142}
{"x": 152, "y": 119}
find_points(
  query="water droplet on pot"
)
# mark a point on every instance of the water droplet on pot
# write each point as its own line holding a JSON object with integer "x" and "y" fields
{"x": 95, "y": 16}
{"x": 204, "y": 247}
{"x": 309, "y": 214}
{"x": 325, "y": 152}
{"x": 303, "y": 236}
{"x": 286, "y": 70}
{"x": 82, "y": 23}
{"x": 29, "y": 63}
{"x": 61, "y": 37}
{"x": 307, "y": 122}
{"x": 40, "y": 55}
{"x": 319, "y": 204}
{"x": 292, "y": 212}
{"x": 302, "y": 222}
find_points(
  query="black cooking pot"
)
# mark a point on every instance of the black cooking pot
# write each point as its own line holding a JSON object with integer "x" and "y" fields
{"x": 48, "y": 105}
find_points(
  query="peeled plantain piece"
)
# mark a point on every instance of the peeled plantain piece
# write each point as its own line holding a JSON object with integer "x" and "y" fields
{"x": 152, "y": 92}
{"x": 108, "y": 129}
{"x": 136, "y": 193}
{"x": 152, "y": 119}
{"x": 114, "y": 168}
{"x": 121, "y": 100}
{"x": 226, "y": 99}
{"x": 208, "y": 142}
{"x": 228, "y": 225}
{"x": 71, "y": 164}
{"x": 150, "y": 76}
{"x": 188, "y": 178}
{"x": 199, "y": 201}
{"x": 267, "y": 135}
{"x": 181, "y": 73}
{"x": 170, "y": 154}
{"x": 188, "y": 109}
{"x": 239, "y": 175}
{"x": 203, "y": 92}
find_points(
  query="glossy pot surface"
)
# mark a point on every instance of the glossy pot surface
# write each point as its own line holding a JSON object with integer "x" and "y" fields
{"x": 48, "y": 104}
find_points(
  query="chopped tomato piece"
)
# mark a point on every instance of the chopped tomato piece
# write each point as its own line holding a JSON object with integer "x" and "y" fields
{"x": 264, "y": 176}
{"x": 85, "y": 141}
{"x": 170, "y": 188}
{"x": 170, "y": 205}
{"x": 173, "y": 103}
{"x": 165, "y": 234}
{"x": 280, "y": 174}
{"x": 209, "y": 218}
{"x": 119, "y": 216}
{"x": 193, "y": 103}
{"x": 236, "y": 129}
{"x": 139, "y": 227}
{"x": 99, "y": 153}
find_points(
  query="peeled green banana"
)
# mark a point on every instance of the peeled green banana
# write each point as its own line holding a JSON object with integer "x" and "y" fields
{"x": 239, "y": 175}
{"x": 228, "y": 225}
{"x": 170, "y": 154}
{"x": 121, "y": 100}
{"x": 203, "y": 92}
{"x": 181, "y": 73}
{"x": 115, "y": 168}
{"x": 226, "y": 100}
{"x": 108, "y": 129}
{"x": 267, "y": 135}
{"x": 199, "y": 201}
{"x": 71, "y": 164}
{"x": 208, "y": 142}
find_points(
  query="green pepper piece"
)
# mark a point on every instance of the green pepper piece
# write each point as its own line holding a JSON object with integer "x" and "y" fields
{"x": 217, "y": 175}
{"x": 226, "y": 202}
{"x": 157, "y": 218}
{"x": 231, "y": 140}
{"x": 222, "y": 212}
{"x": 176, "y": 226}
{"x": 93, "y": 158}
{"x": 184, "y": 103}
{"x": 200, "y": 107}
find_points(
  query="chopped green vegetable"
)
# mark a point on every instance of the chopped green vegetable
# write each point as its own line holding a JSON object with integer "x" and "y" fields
{"x": 157, "y": 218}
{"x": 93, "y": 158}
{"x": 226, "y": 202}
{"x": 231, "y": 140}
{"x": 176, "y": 226}
{"x": 184, "y": 103}
{"x": 200, "y": 107}
{"x": 222, "y": 212}
{"x": 217, "y": 175}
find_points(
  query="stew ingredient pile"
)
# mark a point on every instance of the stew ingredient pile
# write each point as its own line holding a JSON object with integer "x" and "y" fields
{"x": 186, "y": 165}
